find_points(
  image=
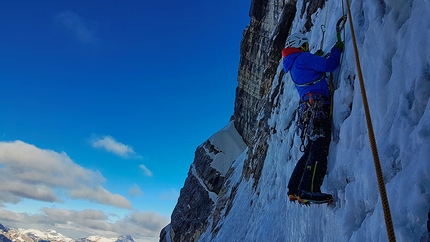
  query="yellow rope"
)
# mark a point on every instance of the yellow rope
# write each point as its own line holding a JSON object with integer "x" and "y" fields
{"x": 378, "y": 169}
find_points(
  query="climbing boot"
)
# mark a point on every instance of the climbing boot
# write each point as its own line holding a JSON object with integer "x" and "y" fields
{"x": 314, "y": 197}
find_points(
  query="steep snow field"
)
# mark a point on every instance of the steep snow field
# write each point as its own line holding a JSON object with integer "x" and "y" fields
{"x": 394, "y": 46}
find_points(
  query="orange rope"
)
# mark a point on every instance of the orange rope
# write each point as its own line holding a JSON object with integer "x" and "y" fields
{"x": 378, "y": 169}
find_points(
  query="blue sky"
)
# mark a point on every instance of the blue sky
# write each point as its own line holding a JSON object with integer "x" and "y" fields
{"x": 124, "y": 90}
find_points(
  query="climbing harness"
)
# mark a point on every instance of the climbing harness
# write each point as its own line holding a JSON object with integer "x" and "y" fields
{"x": 377, "y": 163}
{"x": 309, "y": 83}
{"x": 310, "y": 113}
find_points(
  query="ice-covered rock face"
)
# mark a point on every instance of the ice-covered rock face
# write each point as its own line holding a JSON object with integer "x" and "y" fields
{"x": 249, "y": 202}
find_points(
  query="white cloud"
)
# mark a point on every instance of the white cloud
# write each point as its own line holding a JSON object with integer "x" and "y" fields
{"x": 142, "y": 226}
{"x": 135, "y": 191}
{"x": 147, "y": 223}
{"x": 109, "y": 144}
{"x": 27, "y": 171}
{"x": 145, "y": 170}
{"x": 100, "y": 195}
{"x": 82, "y": 29}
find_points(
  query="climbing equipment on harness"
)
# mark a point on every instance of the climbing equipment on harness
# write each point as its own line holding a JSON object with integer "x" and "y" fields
{"x": 310, "y": 112}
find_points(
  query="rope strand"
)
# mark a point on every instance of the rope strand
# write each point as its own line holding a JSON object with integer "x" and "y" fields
{"x": 378, "y": 169}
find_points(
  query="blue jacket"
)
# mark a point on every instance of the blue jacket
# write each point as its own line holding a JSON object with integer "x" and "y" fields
{"x": 306, "y": 68}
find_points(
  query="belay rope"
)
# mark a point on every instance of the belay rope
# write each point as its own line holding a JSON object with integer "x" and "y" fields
{"x": 306, "y": 117}
{"x": 377, "y": 163}
{"x": 308, "y": 111}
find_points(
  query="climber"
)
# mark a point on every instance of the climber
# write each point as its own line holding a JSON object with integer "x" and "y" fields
{"x": 308, "y": 74}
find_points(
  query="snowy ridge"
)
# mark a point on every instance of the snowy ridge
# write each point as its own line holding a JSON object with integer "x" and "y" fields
{"x": 395, "y": 57}
{"x": 100, "y": 239}
{"x": 34, "y": 235}
{"x": 45, "y": 235}
{"x": 231, "y": 145}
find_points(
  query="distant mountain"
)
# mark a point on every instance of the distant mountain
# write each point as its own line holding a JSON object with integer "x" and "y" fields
{"x": 3, "y": 238}
{"x": 123, "y": 238}
{"x": 46, "y": 235}
{"x": 50, "y": 235}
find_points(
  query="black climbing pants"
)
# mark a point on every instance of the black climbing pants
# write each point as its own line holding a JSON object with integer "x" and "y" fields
{"x": 310, "y": 170}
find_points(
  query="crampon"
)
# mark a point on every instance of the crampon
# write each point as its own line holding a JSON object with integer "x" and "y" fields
{"x": 308, "y": 202}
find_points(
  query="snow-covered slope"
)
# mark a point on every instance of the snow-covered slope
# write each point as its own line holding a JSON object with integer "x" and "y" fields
{"x": 49, "y": 235}
{"x": 230, "y": 143}
{"x": 393, "y": 38}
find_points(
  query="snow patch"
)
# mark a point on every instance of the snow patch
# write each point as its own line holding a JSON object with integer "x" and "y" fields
{"x": 231, "y": 145}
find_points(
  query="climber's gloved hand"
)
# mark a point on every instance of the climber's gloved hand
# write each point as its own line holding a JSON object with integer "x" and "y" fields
{"x": 340, "y": 45}
{"x": 319, "y": 52}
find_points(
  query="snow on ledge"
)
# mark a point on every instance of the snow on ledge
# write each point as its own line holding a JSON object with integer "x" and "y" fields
{"x": 229, "y": 141}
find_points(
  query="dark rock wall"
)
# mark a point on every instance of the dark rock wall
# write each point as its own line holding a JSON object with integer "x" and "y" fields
{"x": 260, "y": 52}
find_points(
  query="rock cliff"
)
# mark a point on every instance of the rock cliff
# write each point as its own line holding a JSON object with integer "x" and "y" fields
{"x": 260, "y": 52}
{"x": 204, "y": 182}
